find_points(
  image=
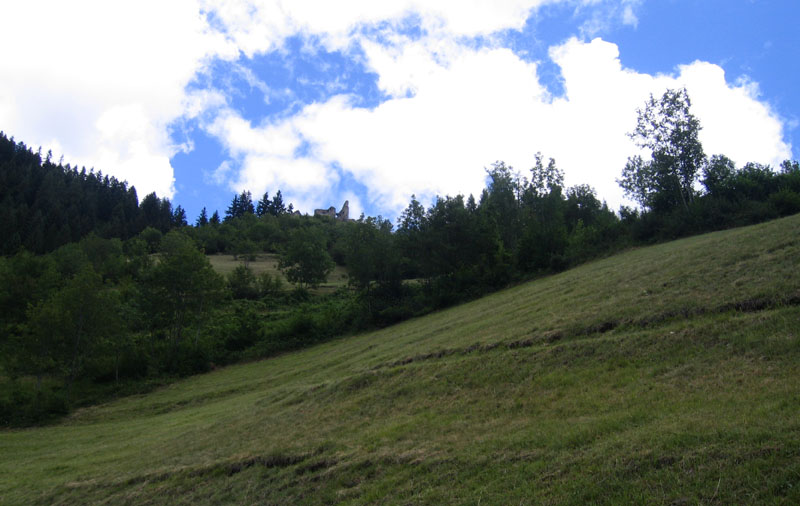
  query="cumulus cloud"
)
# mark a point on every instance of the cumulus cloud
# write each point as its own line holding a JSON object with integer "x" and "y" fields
{"x": 102, "y": 81}
{"x": 456, "y": 109}
{"x": 437, "y": 140}
{"x": 601, "y": 99}
{"x": 108, "y": 83}
{"x": 735, "y": 120}
{"x": 267, "y": 158}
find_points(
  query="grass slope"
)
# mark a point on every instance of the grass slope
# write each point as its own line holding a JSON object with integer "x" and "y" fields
{"x": 266, "y": 262}
{"x": 664, "y": 375}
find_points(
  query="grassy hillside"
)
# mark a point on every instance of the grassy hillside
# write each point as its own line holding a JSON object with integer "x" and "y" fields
{"x": 265, "y": 262}
{"x": 665, "y": 375}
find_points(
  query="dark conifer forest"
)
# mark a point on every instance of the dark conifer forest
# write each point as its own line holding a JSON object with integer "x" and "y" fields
{"x": 103, "y": 295}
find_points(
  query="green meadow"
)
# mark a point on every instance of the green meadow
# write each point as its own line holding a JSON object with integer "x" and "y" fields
{"x": 663, "y": 375}
{"x": 267, "y": 262}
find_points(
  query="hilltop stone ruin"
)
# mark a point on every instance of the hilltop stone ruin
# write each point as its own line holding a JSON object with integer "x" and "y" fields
{"x": 343, "y": 215}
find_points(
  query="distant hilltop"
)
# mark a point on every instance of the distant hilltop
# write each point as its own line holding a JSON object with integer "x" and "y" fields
{"x": 343, "y": 215}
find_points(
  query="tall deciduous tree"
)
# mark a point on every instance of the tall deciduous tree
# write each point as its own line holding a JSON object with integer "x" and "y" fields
{"x": 667, "y": 128}
{"x": 305, "y": 260}
{"x": 72, "y": 322}
{"x": 718, "y": 175}
{"x": 371, "y": 254}
{"x": 180, "y": 287}
{"x": 500, "y": 202}
{"x": 544, "y": 179}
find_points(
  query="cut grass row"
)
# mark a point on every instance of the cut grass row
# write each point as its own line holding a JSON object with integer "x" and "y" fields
{"x": 664, "y": 375}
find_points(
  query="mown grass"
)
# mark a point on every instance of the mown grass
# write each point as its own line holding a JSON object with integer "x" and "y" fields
{"x": 267, "y": 262}
{"x": 664, "y": 375}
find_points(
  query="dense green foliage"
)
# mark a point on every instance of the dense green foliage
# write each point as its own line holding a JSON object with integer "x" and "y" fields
{"x": 670, "y": 131}
{"x": 305, "y": 259}
{"x": 667, "y": 184}
{"x": 103, "y": 316}
{"x": 44, "y": 205}
{"x": 663, "y": 375}
{"x": 101, "y": 294}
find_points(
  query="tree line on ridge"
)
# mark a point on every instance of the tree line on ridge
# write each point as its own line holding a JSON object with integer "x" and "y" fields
{"x": 101, "y": 294}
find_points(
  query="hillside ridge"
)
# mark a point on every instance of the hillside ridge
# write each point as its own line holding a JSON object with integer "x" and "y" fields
{"x": 665, "y": 374}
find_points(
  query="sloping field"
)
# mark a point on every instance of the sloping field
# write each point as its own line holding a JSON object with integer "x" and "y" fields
{"x": 267, "y": 262}
{"x": 664, "y": 375}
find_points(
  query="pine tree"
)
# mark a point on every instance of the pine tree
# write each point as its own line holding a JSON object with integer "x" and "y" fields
{"x": 246, "y": 204}
{"x": 202, "y": 220}
{"x": 240, "y": 205}
{"x": 264, "y": 205}
{"x": 179, "y": 217}
{"x": 233, "y": 210}
{"x": 278, "y": 207}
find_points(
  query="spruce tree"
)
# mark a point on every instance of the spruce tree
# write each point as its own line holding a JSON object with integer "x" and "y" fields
{"x": 278, "y": 208}
{"x": 202, "y": 220}
{"x": 264, "y": 205}
{"x": 234, "y": 210}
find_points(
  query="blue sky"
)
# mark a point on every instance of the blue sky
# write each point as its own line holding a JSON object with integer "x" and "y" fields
{"x": 373, "y": 101}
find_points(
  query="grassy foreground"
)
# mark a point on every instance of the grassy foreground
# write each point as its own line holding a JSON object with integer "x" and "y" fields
{"x": 664, "y": 375}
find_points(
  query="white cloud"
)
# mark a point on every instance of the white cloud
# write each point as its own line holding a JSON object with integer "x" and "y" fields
{"x": 102, "y": 81}
{"x": 268, "y": 159}
{"x": 260, "y": 26}
{"x": 600, "y": 106}
{"x": 457, "y": 122}
{"x": 735, "y": 120}
{"x": 471, "y": 107}
{"x": 221, "y": 174}
{"x": 629, "y": 16}
{"x": 607, "y": 13}
{"x": 242, "y": 138}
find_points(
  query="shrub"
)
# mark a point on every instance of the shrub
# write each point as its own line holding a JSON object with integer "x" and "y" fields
{"x": 242, "y": 283}
{"x": 786, "y": 202}
{"x": 268, "y": 285}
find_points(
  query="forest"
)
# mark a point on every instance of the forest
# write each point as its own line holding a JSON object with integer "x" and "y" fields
{"x": 103, "y": 295}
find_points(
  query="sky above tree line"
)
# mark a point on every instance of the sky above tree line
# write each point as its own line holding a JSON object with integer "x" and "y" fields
{"x": 372, "y": 102}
